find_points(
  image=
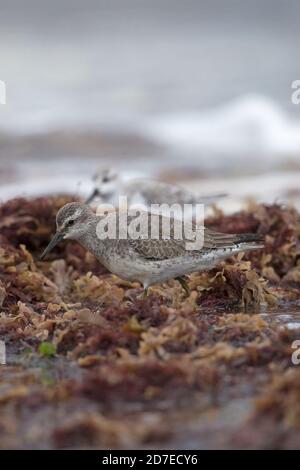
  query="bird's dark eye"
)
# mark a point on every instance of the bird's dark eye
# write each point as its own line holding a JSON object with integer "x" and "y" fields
{"x": 71, "y": 222}
{"x": 105, "y": 179}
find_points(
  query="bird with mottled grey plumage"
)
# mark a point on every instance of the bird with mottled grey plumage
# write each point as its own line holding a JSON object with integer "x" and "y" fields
{"x": 155, "y": 259}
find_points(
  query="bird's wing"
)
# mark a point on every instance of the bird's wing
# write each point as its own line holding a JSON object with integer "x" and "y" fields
{"x": 162, "y": 247}
{"x": 164, "y": 237}
{"x": 158, "y": 192}
{"x": 158, "y": 249}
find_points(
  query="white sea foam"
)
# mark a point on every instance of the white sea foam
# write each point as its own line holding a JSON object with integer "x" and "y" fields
{"x": 252, "y": 125}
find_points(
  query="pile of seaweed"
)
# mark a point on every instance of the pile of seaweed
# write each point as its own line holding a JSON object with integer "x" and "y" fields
{"x": 91, "y": 364}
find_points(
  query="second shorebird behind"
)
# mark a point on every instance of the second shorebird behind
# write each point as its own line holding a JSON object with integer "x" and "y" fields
{"x": 148, "y": 261}
{"x": 110, "y": 184}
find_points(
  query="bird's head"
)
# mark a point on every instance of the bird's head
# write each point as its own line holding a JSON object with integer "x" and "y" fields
{"x": 71, "y": 223}
{"x": 106, "y": 183}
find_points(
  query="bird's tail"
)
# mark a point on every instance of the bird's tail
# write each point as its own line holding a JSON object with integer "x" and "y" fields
{"x": 239, "y": 242}
{"x": 249, "y": 241}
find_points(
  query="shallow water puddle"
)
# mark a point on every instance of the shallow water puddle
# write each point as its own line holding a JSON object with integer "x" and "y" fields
{"x": 290, "y": 319}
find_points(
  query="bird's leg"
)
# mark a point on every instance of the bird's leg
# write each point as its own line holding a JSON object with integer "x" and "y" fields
{"x": 145, "y": 293}
{"x": 183, "y": 282}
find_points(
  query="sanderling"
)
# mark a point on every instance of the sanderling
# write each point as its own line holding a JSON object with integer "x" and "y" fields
{"x": 110, "y": 185}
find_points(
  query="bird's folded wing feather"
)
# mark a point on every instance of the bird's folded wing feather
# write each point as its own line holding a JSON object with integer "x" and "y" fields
{"x": 173, "y": 247}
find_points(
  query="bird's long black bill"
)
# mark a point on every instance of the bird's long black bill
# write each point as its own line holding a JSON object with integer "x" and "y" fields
{"x": 55, "y": 240}
{"x": 92, "y": 196}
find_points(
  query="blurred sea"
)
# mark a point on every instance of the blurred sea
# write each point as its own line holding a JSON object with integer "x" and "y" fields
{"x": 193, "y": 92}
